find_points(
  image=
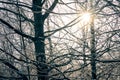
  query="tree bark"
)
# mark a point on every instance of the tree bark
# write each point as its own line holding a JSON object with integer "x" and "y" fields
{"x": 93, "y": 50}
{"x": 39, "y": 40}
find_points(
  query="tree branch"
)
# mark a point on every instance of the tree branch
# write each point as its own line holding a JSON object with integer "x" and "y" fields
{"x": 50, "y": 9}
{"x": 15, "y": 30}
{"x": 25, "y": 18}
{"x": 13, "y": 67}
{"x": 6, "y": 77}
{"x": 19, "y": 4}
{"x": 112, "y": 4}
{"x": 109, "y": 61}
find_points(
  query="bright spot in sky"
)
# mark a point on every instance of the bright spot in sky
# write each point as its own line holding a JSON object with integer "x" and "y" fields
{"x": 86, "y": 17}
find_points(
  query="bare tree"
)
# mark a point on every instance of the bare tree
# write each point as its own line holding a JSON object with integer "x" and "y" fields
{"x": 47, "y": 39}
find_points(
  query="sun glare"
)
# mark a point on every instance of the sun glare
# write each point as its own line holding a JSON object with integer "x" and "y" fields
{"x": 86, "y": 17}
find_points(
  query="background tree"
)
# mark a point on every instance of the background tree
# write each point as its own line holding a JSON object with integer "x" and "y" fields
{"x": 50, "y": 39}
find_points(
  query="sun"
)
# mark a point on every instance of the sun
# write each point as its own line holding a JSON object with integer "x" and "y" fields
{"x": 86, "y": 17}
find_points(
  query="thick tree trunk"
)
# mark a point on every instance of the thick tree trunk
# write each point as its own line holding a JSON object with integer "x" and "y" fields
{"x": 39, "y": 40}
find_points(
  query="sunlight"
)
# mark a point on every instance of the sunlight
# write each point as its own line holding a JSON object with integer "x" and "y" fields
{"x": 86, "y": 17}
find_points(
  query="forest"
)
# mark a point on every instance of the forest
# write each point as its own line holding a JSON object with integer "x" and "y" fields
{"x": 59, "y": 39}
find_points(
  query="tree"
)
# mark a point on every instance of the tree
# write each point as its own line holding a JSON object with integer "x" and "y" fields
{"x": 49, "y": 40}
{"x": 39, "y": 19}
{"x": 38, "y": 39}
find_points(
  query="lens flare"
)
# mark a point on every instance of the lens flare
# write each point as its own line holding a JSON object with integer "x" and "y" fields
{"x": 86, "y": 17}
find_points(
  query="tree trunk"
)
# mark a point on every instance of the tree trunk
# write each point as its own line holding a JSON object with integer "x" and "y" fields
{"x": 39, "y": 40}
{"x": 93, "y": 50}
